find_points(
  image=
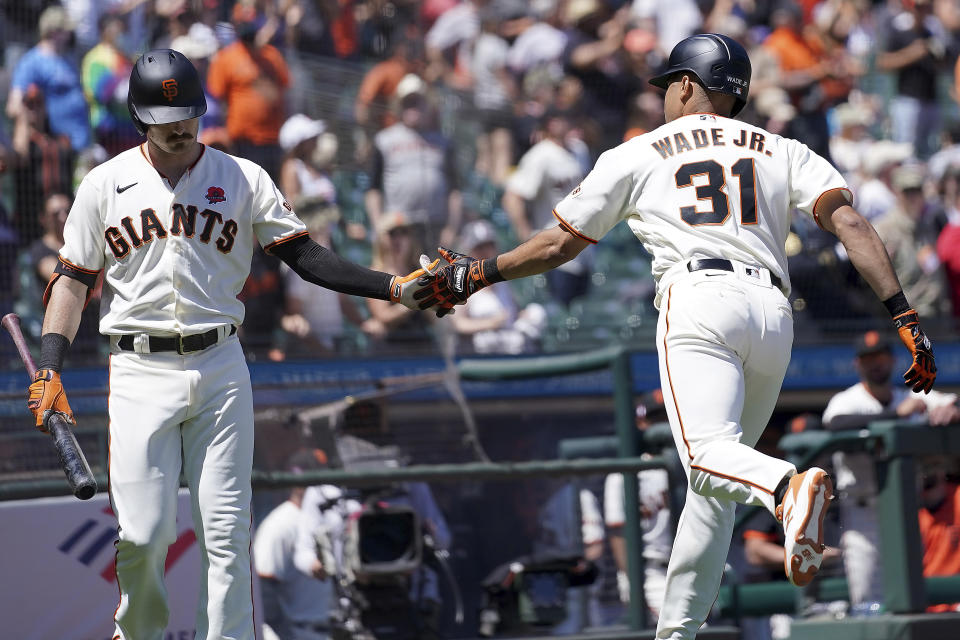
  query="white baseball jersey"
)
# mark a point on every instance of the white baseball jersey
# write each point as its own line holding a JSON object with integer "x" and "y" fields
{"x": 654, "y": 510}
{"x": 174, "y": 258}
{"x": 702, "y": 186}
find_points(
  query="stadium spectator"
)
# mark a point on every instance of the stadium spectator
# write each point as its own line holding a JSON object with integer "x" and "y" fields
{"x": 874, "y": 397}
{"x": 37, "y": 263}
{"x": 909, "y": 233}
{"x": 655, "y": 525}
{"x": 448, "y": 42}
{"x": 915, "y": 51}
{"x": 850, "y": 144}
{"x": 106, "y": 75}
{"x": 296, "y": 605}
{"x": 545, "y": 175}
{"x": 807, "y": 75}
{"x": 315, "y": 319}
{"x": 595, "y": 56}
{"x": 199, "y": 44}
{"x": 414, "y": 170}
{"x": 43, "y": 162}
{"x": 491, "y": 319}
{"x": 494, "y": 89}
{"x": 939, "y": 518}
{"x": 396, "y": 243}
{"x": 309, "y": 150}
{"x": 250, "y": 80}
{"x": 263, "y": 298}
{"x": 875, "y": 194}
{"x": 371, "y": 107}
{"x": 948, "y": 242}
{"x": 48, "y": 67}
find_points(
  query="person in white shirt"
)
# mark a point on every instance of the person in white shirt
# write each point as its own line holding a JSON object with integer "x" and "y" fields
{"x": 296, "y": 603}
{"x": 874, "y": 397}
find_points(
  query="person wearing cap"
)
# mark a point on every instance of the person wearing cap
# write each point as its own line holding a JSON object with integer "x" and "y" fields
{"x": 414, "y": 169}
{"x": 909, "y": 233}
{"x": 491, "y": 319}
{"x": 309, "y": 151}
{"x": 106, "y": 72}
{"x": 296, "y": 604}
{"x": 49, "y": 68}
{"x": 873, "y": 397}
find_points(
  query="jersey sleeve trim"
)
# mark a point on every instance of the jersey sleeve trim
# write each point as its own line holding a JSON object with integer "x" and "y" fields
{"x": 816, "y": 217}
{"x": 569, "y": 229}
{"x": 66, "y": 268}
{"x": 270, "y": 247}
{"x": 86, "y": 276}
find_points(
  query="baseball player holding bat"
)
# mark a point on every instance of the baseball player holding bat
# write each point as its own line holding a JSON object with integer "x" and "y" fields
{"x": 710, "y": 199}
{"x": 171, "y": 224}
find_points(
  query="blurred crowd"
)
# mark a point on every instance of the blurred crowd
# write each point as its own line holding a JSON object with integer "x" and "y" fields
{"x": 397, "y": 125}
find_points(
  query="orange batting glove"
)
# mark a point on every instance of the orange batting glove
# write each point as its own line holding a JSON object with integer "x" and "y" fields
{"x": 46, "y": 395}
{"x": 923, "y": 372}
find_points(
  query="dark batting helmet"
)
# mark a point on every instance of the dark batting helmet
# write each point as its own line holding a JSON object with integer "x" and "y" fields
{"x": 718, "y": 61}
{"x": 164, "y": 87}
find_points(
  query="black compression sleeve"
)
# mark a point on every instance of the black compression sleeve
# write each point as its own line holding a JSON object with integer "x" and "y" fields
{"x": 317, "y": 264}
{"x": 53, "y": 349}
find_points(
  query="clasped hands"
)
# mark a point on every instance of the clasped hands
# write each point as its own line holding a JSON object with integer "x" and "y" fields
{"x": 439, "y": 286}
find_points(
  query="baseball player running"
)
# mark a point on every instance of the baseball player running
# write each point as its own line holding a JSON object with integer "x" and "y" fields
{"x": 710, "y": 199}
{"x": 172, "y": 225}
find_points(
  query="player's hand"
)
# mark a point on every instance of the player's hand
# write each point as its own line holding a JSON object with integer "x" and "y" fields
{"x": 402, "y": 288}
{"x": 923, "y": 372}
{"x": 454, "y": 283}
{"x": 45, "y": 396}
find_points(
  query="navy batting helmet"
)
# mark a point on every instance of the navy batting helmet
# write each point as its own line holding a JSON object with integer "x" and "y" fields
{"x": 718, "y": 61}
{"x": 164, "y": 87}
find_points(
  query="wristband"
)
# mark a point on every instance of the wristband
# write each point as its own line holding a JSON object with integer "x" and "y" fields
{"x": 53, "y": 349}
{"x": 490, "y": 272}
{"x": 897, "y": 304}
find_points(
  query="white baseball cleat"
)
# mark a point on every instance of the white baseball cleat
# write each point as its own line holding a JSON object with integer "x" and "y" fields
{"x": 804, "y": 505}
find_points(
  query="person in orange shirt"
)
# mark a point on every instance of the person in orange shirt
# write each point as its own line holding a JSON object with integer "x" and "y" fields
{"x": 939, "y": 518}
{"x": 251, "y": 79}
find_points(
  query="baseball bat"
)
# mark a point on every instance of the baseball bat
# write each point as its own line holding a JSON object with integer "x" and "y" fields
{"x": 72, "y": 460}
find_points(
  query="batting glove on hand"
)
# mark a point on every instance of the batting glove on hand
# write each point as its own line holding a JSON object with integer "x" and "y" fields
{"x": 403, "y": 288}
{"x": 460, "y": 279}
{"x": 923, "y": 372}
{"x": 45, "y": 396}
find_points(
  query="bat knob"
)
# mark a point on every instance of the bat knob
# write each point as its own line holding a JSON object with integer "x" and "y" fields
{"x": 86, "y": 491}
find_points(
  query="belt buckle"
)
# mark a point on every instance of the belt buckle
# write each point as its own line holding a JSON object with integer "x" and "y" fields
{"x": 180, "y": 338}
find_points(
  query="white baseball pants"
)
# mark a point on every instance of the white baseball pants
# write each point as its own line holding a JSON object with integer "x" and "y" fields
{"x": 724, "y": 343}
{"x": 198, "y": 407}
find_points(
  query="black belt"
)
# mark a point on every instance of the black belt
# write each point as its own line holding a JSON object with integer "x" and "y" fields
{"x": 180, "y": 344}
{"x": 699, "y": 264}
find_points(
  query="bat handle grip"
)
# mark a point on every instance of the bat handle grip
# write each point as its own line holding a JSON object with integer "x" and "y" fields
{"x": 79, "y": 475}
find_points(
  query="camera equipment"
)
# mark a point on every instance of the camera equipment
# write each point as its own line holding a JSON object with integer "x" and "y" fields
{"x": 531, "y": 592}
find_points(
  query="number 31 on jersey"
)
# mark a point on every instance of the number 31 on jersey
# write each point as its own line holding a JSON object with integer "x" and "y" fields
{"x": 743, "y": 170}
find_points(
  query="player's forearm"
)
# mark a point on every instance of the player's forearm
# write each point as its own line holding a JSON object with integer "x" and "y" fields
{"x": 548, "y": 249}
{"x": 866, "y": 251}
{"x": 65, "y": 306}
{"x": 618, "y": 547}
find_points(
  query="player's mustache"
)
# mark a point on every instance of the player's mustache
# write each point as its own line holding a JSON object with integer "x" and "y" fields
{"x": 178, "y": 137}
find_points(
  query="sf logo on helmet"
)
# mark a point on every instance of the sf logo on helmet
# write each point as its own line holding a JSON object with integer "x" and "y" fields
{"x": 170, "y": 89}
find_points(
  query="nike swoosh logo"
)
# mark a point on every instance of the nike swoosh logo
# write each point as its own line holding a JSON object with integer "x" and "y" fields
{"x": 122, "y": 189}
